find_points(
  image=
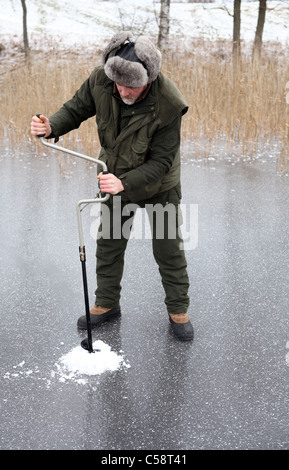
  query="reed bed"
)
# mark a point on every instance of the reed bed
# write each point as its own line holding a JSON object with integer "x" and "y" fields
{"x": 235, "y": 108}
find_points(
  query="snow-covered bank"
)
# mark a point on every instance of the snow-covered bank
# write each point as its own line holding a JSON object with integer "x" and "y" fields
{"x": 75, "y": 22}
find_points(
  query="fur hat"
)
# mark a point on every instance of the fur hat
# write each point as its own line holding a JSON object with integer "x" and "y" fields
{"x": 131, "y": 63}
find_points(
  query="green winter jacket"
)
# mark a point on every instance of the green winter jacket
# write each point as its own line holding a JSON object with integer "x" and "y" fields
{"x": 139, "y": 143}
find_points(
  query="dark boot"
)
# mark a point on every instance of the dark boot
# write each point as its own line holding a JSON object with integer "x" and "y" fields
{"x": 98, "y": 315}
{"x": 182, "y": 327}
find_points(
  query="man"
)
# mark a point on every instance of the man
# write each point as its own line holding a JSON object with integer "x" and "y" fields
{"x": 138, "y": 114}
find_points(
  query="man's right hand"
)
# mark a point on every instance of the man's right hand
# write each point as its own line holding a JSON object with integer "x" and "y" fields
{"x": 40, "y": 126}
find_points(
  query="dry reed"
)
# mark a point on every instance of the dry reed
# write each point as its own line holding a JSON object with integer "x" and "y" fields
{"x": 233, "y": 107}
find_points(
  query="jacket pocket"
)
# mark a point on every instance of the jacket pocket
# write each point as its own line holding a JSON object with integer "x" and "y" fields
{"x": 139, "y": 150}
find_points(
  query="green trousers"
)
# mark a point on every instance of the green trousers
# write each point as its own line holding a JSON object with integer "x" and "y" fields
{"x": 113, "y": 234}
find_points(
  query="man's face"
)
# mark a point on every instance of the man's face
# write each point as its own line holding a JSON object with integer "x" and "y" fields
{"x": 130, "y": 95}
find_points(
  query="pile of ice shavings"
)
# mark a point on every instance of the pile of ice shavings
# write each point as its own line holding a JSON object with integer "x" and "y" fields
{"x": 79, "y": 363}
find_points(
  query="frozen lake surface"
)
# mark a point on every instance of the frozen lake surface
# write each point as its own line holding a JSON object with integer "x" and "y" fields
{"x": 226, "y": 390}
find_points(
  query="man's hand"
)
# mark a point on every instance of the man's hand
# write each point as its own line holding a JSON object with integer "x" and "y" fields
{"x": 109, "y": 183}
{"x": 40, "y": 126}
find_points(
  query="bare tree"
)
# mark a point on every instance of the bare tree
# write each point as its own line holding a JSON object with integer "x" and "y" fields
{"x": 237, "y": 29}
{"x": 25, "y": 34}
{"x": 131, "y": 22}
{"x": 260, "y": 27}
{"x": 164, "y": 25}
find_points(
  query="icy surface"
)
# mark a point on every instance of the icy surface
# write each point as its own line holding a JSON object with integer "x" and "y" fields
{"x": 228, "y": 389}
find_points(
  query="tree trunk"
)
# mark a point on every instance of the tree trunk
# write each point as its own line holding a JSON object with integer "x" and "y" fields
{"x": 25, "y": 34}
{"x": 260, "y": 26}
{"x": 164, "y": 25}
{"x": 237, "y": 29}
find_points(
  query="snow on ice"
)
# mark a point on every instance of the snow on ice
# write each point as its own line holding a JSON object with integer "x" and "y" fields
{"x": 75, "y": 366}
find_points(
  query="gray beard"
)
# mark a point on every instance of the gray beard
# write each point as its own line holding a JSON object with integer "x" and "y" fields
{"x": 128, "y": 102}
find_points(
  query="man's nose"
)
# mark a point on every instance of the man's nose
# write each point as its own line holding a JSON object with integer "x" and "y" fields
{"x": 125, "y": 91}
